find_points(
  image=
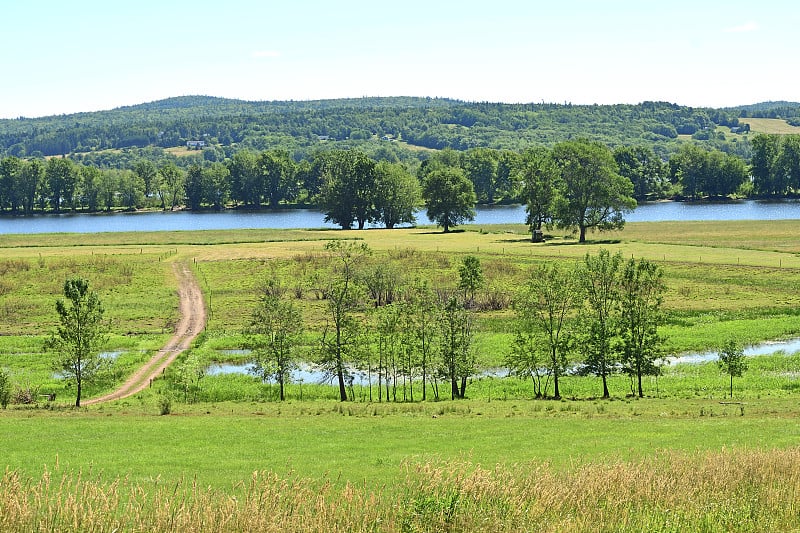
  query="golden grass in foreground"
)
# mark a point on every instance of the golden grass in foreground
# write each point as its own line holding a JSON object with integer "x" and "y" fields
{"x": 741, "y": 490}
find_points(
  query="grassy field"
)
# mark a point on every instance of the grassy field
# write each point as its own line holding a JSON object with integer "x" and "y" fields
{"x": 684, "y": 458}
{"x": 770, "y": 125}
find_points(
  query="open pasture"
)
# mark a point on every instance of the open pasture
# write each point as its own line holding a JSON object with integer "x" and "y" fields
{"x": 422, "y": 466}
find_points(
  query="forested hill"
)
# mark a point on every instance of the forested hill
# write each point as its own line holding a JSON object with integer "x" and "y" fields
{"x": 300, "y": 126}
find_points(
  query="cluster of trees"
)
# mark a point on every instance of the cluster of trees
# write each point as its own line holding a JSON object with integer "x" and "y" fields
{"x": 577, "y": 184}
{"x": 399, "y": 335}
{"x": 604, "y": 312}
{"x": 775, "y": 165}
{"x": 702, "y": 173}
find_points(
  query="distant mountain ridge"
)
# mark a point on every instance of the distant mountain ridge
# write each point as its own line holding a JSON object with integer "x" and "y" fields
{"x": 433, "y": 123}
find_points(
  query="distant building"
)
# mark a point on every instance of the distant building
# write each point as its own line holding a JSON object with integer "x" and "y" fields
{"x": 195, "y": 144}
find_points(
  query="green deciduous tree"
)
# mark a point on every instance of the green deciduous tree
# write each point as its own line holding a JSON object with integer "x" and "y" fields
{"x": 645, "y": 169}
{"x": 131, "y": 189}
{"x": 545, "y": 306}
{"x": 641, "y": 295}
{"x": 147, "y": 171}
{"x": 348, "y": 190}
{"x": 789, "y": 160}
{"x": 470, "y": 278}
{"x": 170, "y": 185}
{"x": 593, "y": 195}
{"x": 273, "y": 335}
{"x": 455, "y": 346}
{"x": 279, "y": 176}
{"x": 423, "y": 324}
{"x": 449, "y": 197}
{"x": 538, "y": 175}
{"x": 244, "y": 178}
{"x": 600, "y": 281}
{"x": 91, "y": 187}
{"x": 767, "y": 179}
{"x": 732, "y": 360}
{"x": 527, "y": 358}
{"x": 217, "y": 185}
{"x": 342, "y": 330}
{"x": 32, "y": 183}
{"x": 194, "y": 187}
{"x": 480, "y": 167}
{"x": 80, "y": 336}
{"x": 62, "y": 180}
{"x": 397, "y": 194}
{"x": 10, "y": 178}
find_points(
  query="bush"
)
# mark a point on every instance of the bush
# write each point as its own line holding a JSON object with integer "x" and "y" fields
{"x": 25, "y": 395}
{"x": 5, "y": 389}
{"x": 164, "y": 404}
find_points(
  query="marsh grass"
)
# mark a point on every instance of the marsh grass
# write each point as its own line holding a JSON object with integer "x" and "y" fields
{"x": 735, "y": 489}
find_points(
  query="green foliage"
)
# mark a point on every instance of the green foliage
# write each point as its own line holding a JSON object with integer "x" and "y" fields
{"x": 449, "y": 197}
{"x": 397, "y": 194}
{"x": 470, "y": 278}
{"x": 593, "y": 195}
{"x": 273, "y": 335}
{"x": 80, "y": 335}
{"x": 539, "y": 177}
{"x": 600, "y": 280}
{"x": 5, "y": 388}
{"x": 641, "y": 298}
{"x": 348, "y": 189}
{"x": 545, "y": 308}
{"x": 731, "y": 360}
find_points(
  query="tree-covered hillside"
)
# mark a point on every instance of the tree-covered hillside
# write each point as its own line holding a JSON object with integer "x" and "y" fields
{"x": 300, "y": 127}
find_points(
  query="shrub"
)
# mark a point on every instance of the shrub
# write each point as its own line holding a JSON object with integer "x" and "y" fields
{"x": 5, "y": 388}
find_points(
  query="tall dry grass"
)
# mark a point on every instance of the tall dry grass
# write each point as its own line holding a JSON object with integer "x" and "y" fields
{"x": 729, "y": 490}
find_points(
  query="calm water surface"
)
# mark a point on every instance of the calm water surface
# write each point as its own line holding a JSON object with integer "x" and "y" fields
{"x": 308, "y": 218}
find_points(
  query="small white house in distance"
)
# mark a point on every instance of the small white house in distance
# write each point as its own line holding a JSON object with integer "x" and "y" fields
{"x": 195, "y": 144}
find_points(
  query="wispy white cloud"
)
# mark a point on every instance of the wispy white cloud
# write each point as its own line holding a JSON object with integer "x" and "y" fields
{"x": 265, "y": 53}
{"x": 747, "y": 27}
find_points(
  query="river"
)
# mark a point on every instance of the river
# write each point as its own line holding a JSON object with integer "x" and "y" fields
{"x": 308, "y": 218}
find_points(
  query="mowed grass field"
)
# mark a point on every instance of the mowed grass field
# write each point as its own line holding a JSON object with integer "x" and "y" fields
{"x": 685, "y": 457}
{"x": 770, "y": 125}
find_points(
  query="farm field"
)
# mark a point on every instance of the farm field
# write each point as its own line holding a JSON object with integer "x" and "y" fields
{"x": 770, "y": 126}
{"x": 404, "y": 466}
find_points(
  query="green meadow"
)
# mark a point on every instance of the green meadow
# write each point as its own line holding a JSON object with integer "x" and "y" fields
{"x": 403, "y": 466}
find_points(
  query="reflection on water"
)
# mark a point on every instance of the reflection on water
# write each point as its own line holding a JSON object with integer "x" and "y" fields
{"x": 309, "y": 374}
{"x": 765, "y": 348}
{"x": 309, "y": 218}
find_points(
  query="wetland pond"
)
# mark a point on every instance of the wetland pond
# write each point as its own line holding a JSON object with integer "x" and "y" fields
{"x": 307, "y": 373}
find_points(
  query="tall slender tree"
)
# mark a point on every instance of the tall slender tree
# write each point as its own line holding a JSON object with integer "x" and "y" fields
{"x": 341, "y": 334}
{"x": 599, "y": 276}
{"x": 273, "y": 335}
{"x": 641, "y": 295}
{"x": 546, "y": 305}
{"x": 80, "y": 335}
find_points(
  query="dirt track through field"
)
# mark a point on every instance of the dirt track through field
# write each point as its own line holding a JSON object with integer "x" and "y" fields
{"x": 192, "y": 321}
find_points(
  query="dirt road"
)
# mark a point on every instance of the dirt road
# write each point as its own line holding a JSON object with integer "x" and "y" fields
{"x": 192, "y": 321}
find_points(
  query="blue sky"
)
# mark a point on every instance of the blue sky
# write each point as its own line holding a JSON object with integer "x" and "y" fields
{"x": 66, "y": 57}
